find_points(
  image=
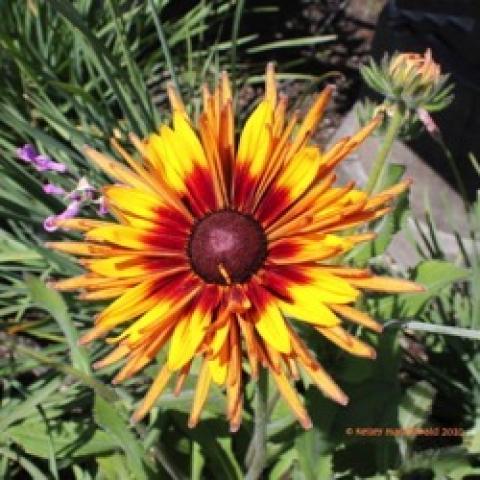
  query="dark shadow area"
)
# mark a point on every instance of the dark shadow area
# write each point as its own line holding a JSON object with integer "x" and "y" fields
{"x": 451, "y": 28}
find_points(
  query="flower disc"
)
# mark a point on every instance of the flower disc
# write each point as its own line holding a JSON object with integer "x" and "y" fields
{"x": 227, "y": 246}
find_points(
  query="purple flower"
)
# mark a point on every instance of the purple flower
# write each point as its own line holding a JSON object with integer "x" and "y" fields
{"x": 52, "y": 189}
{"x": 50, "y": 223}
{"x": 27, "y": 153}
{"x": 72, "y": 209}
{"x": 83, "y": 191}
{"x": 44, "y": 162}
{"x": 102, "y": 206}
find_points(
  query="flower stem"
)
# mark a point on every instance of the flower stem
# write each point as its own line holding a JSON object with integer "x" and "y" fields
{"x": 257, "y": 450}
{"x": 378, "y": 169}
{"x": 456, "y": 172}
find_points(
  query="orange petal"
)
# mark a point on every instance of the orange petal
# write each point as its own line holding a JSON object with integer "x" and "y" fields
{"x": 114, "y": 356}
{"x": 314, "y": 115}
{"x": 387, "y": 284}
{"x": 270, "y": 84}
{"x": 115, "y": 169}
{"x": 347, "y": 342}
{"x": 326, "y": 384}
{"x": 290, "y": 396}
{"x": 356, "y": 316}
{"x": 153, "y": 393}
{"x": 201, "y": 393}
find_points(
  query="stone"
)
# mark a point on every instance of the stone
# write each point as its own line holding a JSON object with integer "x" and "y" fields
{"x": 429, "y": 191}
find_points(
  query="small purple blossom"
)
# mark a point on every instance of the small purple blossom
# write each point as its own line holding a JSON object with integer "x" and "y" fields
{"x": 52, "y": 189}
{"x": 83, "y": 191}
{"x": 27, "y": 153}
{"x": 42, "y": 163}
{"x": 102, "y": 206}
{"x": 72, "y": 209}
{"x": 50, "y": 223}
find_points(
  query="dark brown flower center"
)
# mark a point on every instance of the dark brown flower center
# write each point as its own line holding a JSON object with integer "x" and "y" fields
{"x": 227, "y": 246}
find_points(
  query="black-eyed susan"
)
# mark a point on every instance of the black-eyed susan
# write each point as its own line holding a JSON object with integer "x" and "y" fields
{"x": 217, "y": 250}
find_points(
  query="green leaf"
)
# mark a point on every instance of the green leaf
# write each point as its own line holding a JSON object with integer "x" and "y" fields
{"x": 34, "y": 472}
{"x": 18, "y": 411}
{"x": 293, "y": 43}
{"x": 51, "y": 301}
{"x": 69, "y": 439}
{"x": 105, "y": 392}
{"x": 284, "y": 465}
{"x": 112, "y": 467}
{"x": 313, "y": 463}
{"x": 434, "y": 275}
{"x": 215, "y": 447}
{"x": 416, "y": 405}
{"x": 107, "y": 416}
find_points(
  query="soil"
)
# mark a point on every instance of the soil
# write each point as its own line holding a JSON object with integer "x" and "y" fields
{"x": 351, "y": 21}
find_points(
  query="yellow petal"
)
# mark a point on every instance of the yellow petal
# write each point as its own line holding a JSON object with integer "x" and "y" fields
{"x": 300, "y": 171}
{"x": 255, "y": 140}
{"x": 307, "y": 308}
{"x": 121, "y": 266}
{"x": 163, "y": 157}
{"x": 186, "y": 338}
{"x": 187, "y": 138}
{"x": 332, "y": 289}
{"x": 219, "y": 338}
{"x": 133, "y": 201}
{"x": 219, "y": 370}
{"x": 119, "y": 235}
{"x": 271, "y": 326}
{"x": 84, "y": 248}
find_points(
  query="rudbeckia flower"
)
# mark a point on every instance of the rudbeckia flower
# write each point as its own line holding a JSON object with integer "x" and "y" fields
{"x": 218, "y": 250}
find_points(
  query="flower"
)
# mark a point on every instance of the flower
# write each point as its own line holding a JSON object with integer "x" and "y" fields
{"x": 215, "y": 246}
{"x": 405, "y": 67}
{"x": 52, "y": 189}
{"x": 50, "y": 224}
{"x": 102, "y": 206}
{"x": 27, "y": 153}
{"x": 83, "y": 190}
{"x": 411, "y": 79}
{"x": 42, "y": 163}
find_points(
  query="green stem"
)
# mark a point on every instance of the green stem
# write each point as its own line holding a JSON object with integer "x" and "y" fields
{"x": 161, "y": 455}
{"x": 376, "y": 174}
{"x": 258, "y": 446}
{"x": 456, "y": 172}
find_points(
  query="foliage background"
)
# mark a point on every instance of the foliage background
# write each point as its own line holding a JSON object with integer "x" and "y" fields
{"x": 72, "y": 72}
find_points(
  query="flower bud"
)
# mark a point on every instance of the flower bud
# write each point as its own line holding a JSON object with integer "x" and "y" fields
{"x": 411, "y": 80}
